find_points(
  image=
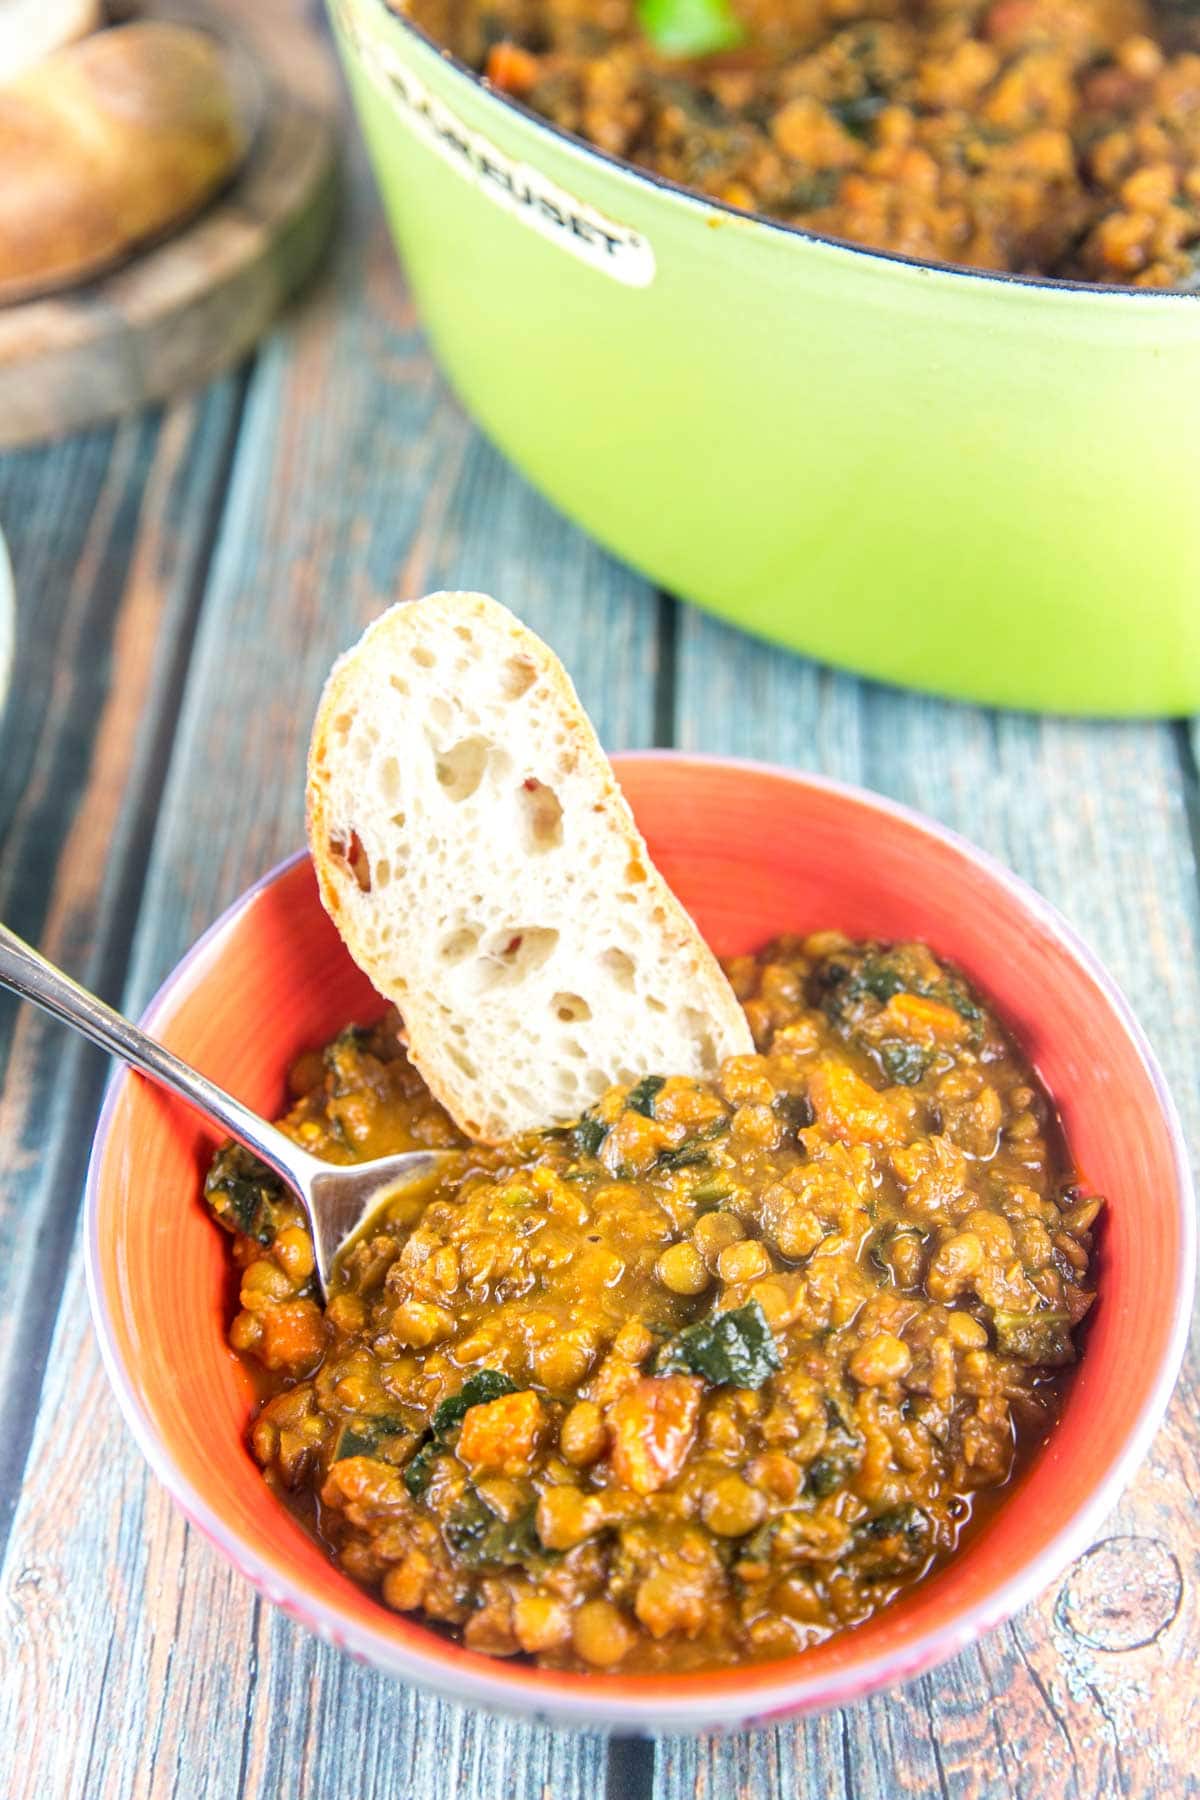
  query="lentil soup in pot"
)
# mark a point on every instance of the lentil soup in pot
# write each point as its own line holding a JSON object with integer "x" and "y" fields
{"x": 1038, "y": 137}
{"x": 703, "y": 1378}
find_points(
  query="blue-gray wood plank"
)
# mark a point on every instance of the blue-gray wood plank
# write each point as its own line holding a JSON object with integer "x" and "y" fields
{"x": 185, "y": 584}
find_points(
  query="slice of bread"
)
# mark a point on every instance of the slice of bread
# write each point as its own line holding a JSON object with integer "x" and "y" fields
{"x": 476, "y": 854}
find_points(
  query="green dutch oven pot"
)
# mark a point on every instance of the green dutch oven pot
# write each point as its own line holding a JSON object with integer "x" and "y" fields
{"x": 983, "y": 486}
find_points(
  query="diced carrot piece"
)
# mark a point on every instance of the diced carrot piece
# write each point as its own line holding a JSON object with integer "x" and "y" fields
{"x": 653, "y": 1425}
{"x": 847, "y": 1106}
{"x": 293, "y": 1336}
{"x": 513, "y": 70}
{"x": 920, "y": 1017}
{"x": 502, "y": 1434}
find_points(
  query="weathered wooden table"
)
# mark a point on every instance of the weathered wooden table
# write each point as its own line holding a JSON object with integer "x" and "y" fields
{"x": 184, "y": 582}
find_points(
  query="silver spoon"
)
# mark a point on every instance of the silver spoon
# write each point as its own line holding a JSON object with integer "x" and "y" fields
{"x": 335, "y": 1200}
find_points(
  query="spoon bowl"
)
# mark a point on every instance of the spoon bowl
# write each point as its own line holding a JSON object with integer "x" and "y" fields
{"x": 337, "y": 1201}
{"x": 340, "y": 1202}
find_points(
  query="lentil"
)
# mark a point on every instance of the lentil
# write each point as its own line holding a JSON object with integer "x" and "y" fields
{"x": 681, "y": 1268}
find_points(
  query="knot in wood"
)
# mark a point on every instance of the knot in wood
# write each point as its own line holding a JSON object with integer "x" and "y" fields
{"x": 1122, "y": 1594}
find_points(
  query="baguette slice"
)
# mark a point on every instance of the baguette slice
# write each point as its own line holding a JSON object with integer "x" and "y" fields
{"x": 475, "y": 852}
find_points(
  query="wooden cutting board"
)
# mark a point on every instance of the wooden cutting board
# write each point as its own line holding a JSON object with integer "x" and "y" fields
{"x": 184, "y": 308}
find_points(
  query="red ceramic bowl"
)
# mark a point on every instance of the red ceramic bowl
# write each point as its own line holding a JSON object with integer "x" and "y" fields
{"x": 751, "y": 851}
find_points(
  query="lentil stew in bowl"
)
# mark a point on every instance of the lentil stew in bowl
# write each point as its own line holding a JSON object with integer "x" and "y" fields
{"x": 709, "y": 1376}
{"x": 1039, "y": 137}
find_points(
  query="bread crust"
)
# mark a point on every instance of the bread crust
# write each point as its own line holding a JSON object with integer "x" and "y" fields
{"x": 600, "y": 820}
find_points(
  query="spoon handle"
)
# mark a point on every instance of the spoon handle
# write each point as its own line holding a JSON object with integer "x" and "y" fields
{"x": 28, "y": 974}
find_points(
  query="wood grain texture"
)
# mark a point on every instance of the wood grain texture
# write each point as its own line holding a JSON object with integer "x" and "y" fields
{"x": 178, "y": 1678}
{"x": 1067, "y": 1700}
{"x": 180, "y": 310}
{"x": 107, "y": 539}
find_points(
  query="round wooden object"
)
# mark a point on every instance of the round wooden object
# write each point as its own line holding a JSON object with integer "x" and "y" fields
{"x": 184, "y": 308}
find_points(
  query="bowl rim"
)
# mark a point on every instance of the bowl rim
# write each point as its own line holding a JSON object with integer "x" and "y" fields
{"x": 585, "y": 151}
{"x": 755, "y": 1692}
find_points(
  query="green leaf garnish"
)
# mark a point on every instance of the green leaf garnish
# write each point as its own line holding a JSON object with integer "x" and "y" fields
{"x": 690, "y": 27}
{"x": 243, "y": 1194}
{"x": 478, "y": 1538}
{"x": 642, "y": 1096}
{"x": 418, "y": 1470}
{"x": 903, "y": 1061}
{"x": 589, "y": 1134}
{"x": 691, "y": 1154}
{"x": 362, "y": 1437}
{"x": 735, "y": 1349}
